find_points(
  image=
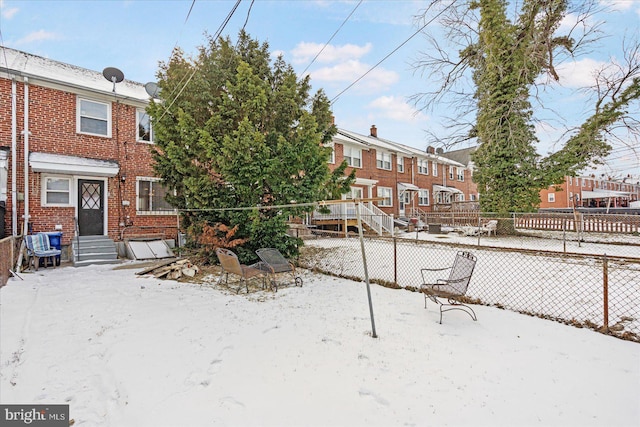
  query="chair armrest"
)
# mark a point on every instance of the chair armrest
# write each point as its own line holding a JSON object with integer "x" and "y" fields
{"x": 423, "y": 270}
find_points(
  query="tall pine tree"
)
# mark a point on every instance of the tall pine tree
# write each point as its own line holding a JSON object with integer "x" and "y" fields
{"x": 235, "y": 130}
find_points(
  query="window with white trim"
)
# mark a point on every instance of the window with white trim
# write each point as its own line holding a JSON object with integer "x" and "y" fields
{"x": 434, "y": 167}
{"x": 451, "y": 170}
{"x": 151, "y": 196}
{"x": 400, "y": 163}
{"x": 472, "y": 197}
{"x": 423, "y": 197}
{"x": 145, "y": 130}
{"x": 386, "y": 194}
{"x": 383, "y": 160}
{"x": 93, "y": 117}
{"x": 332, "y": 157}
{"x": 551, "y": 197}
{"x": 353, "y": 156}
{"x": 56, "y": 191}
{"x": 423, "y": 166}
{"x": 460, "y": 174}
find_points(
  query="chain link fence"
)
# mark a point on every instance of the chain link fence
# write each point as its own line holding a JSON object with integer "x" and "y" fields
{"x": 593, "y": 284}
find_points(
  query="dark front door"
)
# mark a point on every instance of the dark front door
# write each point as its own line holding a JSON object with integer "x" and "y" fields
{"x": 90, "y": 207}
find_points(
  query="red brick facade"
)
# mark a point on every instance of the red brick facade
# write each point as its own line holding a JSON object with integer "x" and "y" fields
{"x": 52, "y": 112}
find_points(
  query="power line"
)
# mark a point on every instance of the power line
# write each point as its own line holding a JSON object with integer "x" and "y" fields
{"x": 195, "y": 68}
{"x": 329, "y": 41}
{"x": 392, "y": 52}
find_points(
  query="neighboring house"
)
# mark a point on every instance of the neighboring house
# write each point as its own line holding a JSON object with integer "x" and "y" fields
{"x": 406, "y": 178}
{"x": 591, "y": 192}
{"x": 75, "y": 153}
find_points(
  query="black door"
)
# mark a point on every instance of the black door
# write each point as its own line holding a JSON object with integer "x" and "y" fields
{"x": 90, "y": 207}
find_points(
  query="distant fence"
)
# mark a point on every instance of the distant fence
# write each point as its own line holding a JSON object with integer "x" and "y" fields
{"x": 583, "y": 289}
{"x": 585, "y": 222}
{"x": 8, "y": 254}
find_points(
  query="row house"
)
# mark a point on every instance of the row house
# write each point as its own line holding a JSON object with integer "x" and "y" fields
{"x": 591, "y": 192}
{"x": 75, "y": 153}
{"x": 408, "y": 180}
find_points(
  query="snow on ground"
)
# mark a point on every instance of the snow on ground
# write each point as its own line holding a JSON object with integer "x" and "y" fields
{"x": 125, "y": 350}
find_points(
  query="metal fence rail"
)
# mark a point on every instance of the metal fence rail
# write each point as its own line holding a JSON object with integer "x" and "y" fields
{"x": 593, "y": 290}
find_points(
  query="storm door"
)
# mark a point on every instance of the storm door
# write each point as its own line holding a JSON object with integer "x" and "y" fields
{"x": 90, "y": 207}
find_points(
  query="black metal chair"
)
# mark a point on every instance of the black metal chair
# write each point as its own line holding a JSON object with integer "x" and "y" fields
{"x": 452, "y": 289}
{"x": 275, "y": 263}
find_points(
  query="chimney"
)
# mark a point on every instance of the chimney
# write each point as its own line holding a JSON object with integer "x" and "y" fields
{"x": 431, "y": 150}
{"x": 374, "y": 131}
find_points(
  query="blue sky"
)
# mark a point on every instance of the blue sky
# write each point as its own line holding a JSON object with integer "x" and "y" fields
{"x": 134, "y": 35}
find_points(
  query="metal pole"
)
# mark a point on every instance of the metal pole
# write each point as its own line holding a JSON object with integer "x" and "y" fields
{"x": 605, "y": 291}
{"x": 395, "y": 261}
{"x": 564, "y": 234}
{"x": 366, "y": 271}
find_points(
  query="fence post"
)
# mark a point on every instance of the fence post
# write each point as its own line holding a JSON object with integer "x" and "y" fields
{"x": 395, "y": 260}
{"x": 564, "y": 235}
{"x": 605, "y": 291}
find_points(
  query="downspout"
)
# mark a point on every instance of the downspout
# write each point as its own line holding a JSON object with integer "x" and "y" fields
{"x": 26, "y": 157}
{"x": 14, "y": 159}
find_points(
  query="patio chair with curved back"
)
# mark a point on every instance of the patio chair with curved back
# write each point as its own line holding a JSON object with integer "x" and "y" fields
{"x": 275, "y": 263}
{"x": 452, "y": 289}
{"x": 231, "y": 265}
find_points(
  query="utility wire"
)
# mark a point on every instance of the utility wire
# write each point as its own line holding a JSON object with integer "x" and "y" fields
{"x": 335, "y": 98}
{"x": 195, "y": 68}
{"x": 329, "y": 41}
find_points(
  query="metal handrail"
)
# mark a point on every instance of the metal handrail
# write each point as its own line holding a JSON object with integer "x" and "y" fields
{"x": 77, "y": 229}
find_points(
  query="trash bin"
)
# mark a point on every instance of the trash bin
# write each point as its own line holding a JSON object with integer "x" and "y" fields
{"x": 435, "y": 228}
{"x": 55, "y": 241}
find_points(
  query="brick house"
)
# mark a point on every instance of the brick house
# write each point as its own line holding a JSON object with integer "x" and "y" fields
{"x": 591, "y": 192}
{"x": 75, "y": 153}
{"x": 407, "y": 178}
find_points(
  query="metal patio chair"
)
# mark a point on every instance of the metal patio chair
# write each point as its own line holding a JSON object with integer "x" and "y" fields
{"x": 275, "y": 263}
{"x": 452, "y": 289}
{"x": 231, "y": 265}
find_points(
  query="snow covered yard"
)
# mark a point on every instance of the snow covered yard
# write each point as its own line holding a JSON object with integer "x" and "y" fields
{"x": 124, "y": 350}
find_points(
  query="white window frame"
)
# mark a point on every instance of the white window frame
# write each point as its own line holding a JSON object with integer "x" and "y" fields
{"x": 451, "y": 169}
{"x": 400, "y": 163}
{"x": 140, "y": 112}
{"x": 349, "y": 155}
{"x": 387, "y": 194}
{"x": 551, "y": 197}
{"x": 383, "y": 160}
{"x": 79, "y": 116}
{"x": 434, "y": 167}
{"x": 45, "y": 179}
{"x": 472, "y": 197}
{"x": 460, "y": 172}
{"x": 332, "y": 157}
{"x": 423, "y": 166}
{"x": 423, "y": 198}
{"x": 145, "y": 179}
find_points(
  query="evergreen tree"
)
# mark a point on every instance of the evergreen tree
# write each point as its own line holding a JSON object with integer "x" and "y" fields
{"x": 235, "y": 130}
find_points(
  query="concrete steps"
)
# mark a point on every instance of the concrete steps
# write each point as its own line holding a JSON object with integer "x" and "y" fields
{"x": 87, "y": 250}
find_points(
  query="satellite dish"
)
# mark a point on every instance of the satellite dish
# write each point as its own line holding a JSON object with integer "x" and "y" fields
{"x": 113, "y": 75}
{"x": 152, "y": 90}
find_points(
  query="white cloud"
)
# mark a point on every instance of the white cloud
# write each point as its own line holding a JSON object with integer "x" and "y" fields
{"x": 350, "y": 71}
{"x": 305, "y": 52}
{"x": 37, "y": 36}
{"x": 396, "y": 108}
{"x": 617, "y": 4}
{"x": 7, "y": 12}
{"x": 579, "y": 73}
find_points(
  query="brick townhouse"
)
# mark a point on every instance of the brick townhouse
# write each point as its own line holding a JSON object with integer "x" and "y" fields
{"x": 591, "y": 192}
{"x": 75, "y": 153}
{"x": 406, "y": 178}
